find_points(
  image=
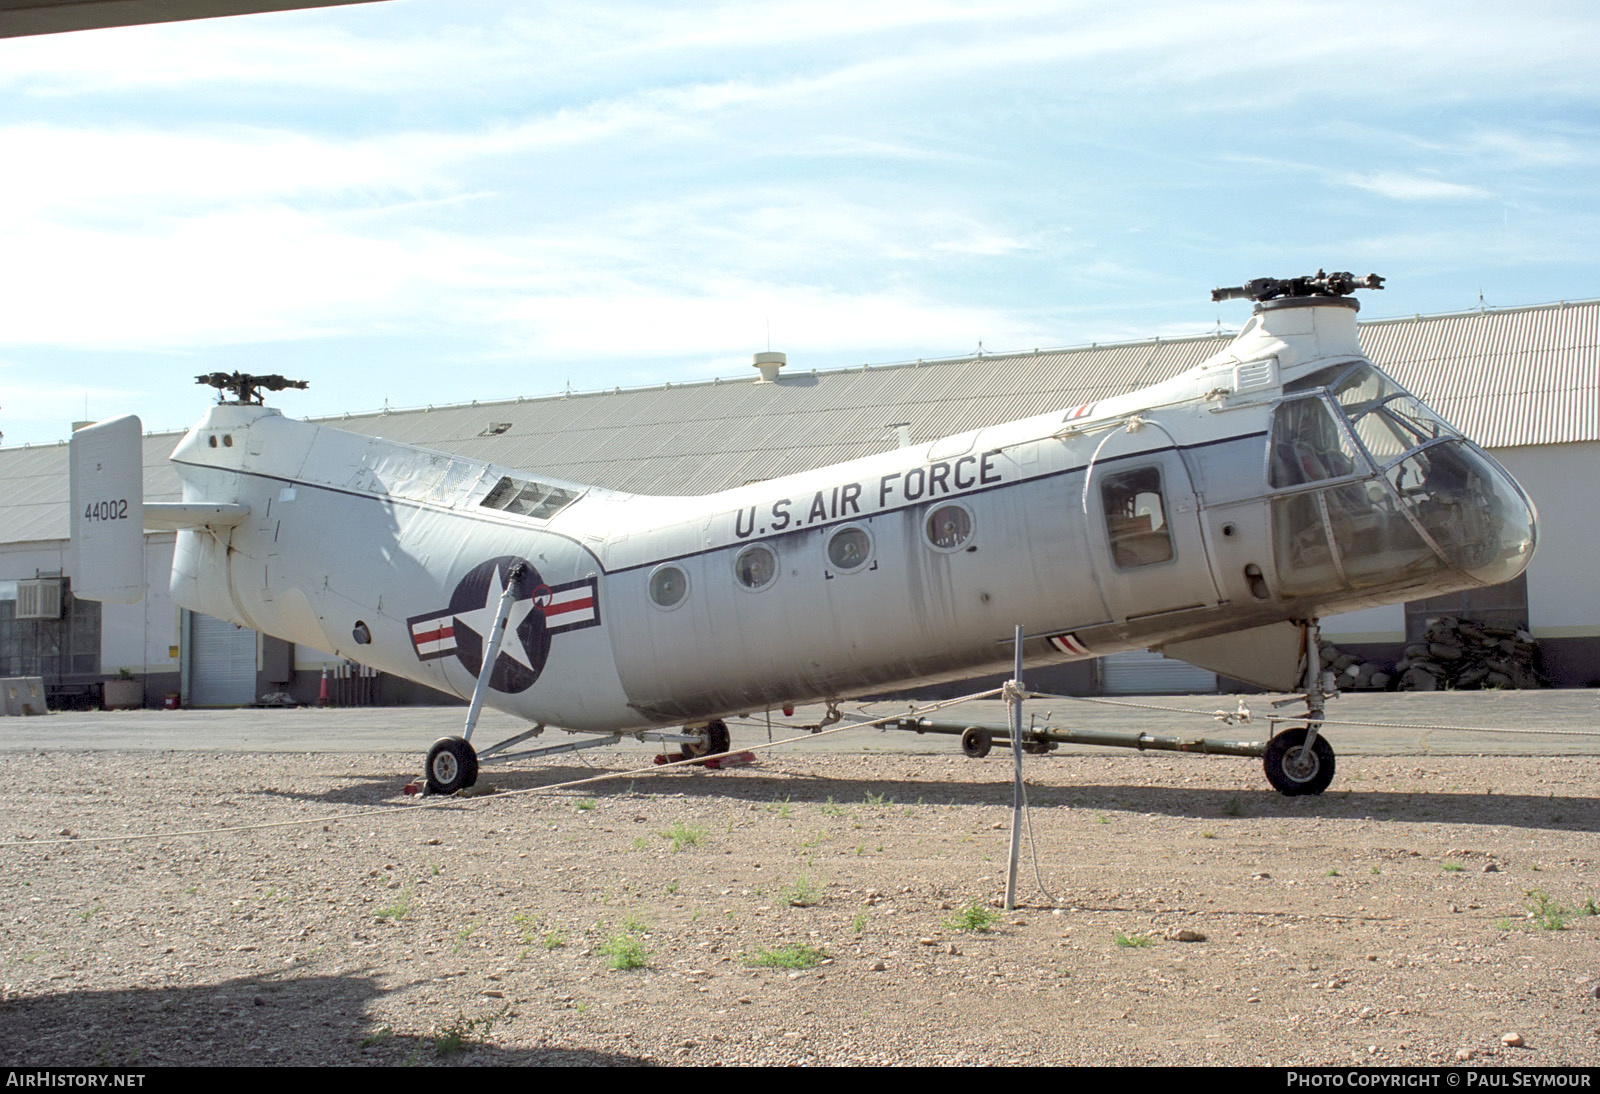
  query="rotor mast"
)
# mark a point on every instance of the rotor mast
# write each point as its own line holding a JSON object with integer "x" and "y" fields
{"x": 246, "y": 388}
{"x": 1323, "y": 284}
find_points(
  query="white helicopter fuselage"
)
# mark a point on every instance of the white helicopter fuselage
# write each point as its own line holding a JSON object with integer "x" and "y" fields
{"x": 1242, "y": 493}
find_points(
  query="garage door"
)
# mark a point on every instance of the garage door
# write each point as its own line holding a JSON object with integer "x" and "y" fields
{"x": 1141, "y": 672}
{"x": 222, "y": 663}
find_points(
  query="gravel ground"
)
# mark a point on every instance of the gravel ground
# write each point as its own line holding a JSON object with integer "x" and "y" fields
{"x": 1417, "y": 914}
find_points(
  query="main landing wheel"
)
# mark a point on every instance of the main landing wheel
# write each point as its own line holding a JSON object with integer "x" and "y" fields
{"x": 715, "y": 740}
{"x": 1290, "y": 774}
{"x": 452, "y": 765}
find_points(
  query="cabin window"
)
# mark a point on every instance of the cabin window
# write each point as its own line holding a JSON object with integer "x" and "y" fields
{"x": 756, "y": 568}
{"x": 528, "y": 498}
{"x": 1136, "y": 518}
{"x": 949, "y": 527}
{"x": 849, "y": 549}
{"x": 668, "y": 587}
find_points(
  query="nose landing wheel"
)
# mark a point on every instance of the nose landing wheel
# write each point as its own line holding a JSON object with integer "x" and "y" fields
{"x": 1292, "y": 773}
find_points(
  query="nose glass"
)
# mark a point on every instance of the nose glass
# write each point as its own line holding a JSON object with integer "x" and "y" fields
{"x": 1472, "y": 510}
{"x": 1423, "y": 501}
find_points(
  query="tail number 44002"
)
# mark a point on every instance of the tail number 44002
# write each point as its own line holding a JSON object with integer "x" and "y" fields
{"x": 116, "y": 509}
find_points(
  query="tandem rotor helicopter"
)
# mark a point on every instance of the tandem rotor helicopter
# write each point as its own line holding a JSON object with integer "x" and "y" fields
{"x": 1214, "y": 517}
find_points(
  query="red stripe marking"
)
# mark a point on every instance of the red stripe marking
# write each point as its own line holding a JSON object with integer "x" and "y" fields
{"x": 570, "y": 606}
{"x": 446, "y": 631}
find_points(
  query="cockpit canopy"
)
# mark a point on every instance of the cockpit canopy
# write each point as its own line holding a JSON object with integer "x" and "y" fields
{"x": 1371, "y": 487}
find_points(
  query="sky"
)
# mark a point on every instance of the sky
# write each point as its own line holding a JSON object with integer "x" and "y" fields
{"x": 422, "y": 202}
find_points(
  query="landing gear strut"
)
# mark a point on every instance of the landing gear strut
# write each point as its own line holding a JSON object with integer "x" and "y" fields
{"x": 1299, "y": 761}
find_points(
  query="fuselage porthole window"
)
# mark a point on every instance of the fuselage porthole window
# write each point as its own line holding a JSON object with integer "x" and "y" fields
{"x": 756, "y": 568}
{"x": 849, "y": 549}
{"x": 669, "y": 587}
{"x": 948, "y": 527}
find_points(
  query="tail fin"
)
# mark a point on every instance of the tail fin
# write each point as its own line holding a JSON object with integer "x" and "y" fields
{"x": 107, "y": 490}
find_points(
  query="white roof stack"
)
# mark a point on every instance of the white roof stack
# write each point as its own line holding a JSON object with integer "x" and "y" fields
{"x": 769, "y": 363}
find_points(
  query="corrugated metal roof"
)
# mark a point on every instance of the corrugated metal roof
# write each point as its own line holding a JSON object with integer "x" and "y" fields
{"x": 1516, "y": 377}
{"x": 1510, "y": 377}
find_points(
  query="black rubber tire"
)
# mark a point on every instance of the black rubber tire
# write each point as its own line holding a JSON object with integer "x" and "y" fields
{"x": 716, "y": 741}
{"x": 1294, "y": 779}
{"x": 976, "y": 742}
{"x": 452, "y": 765}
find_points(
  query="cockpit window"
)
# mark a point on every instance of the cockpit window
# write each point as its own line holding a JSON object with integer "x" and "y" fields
{"x": 1336, "y": 377}
{"x": 1308, "y": 445}
{"x": 1388, "y": 430}
{"x": 1384, "y": 416}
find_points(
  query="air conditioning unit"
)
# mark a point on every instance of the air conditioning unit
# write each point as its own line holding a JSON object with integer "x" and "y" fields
{"x": 39, "y": 598}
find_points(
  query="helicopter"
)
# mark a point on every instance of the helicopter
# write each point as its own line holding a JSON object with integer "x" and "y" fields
{"x": 1215, "y": 516}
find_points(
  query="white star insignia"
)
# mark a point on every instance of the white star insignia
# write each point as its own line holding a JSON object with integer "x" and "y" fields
{"x": 480, "y": 620}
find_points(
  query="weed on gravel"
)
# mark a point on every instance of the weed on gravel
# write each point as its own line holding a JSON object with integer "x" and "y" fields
{"x": 401, "y": 905}
{"x": 1548, "y": 914}
{"x": 626, "y": 951}
{"x": 684, "y": 835}
{"x": 451, "y": 1039}
{"x": 795, "y": 956}
{"x": 802, "y": 892}
{"x": 974, "y": 917}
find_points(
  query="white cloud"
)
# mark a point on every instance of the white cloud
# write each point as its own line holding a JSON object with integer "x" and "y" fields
{"x": 1510, "y": 149}
{"x": 1407, "y": 187}
{"x": 118, "y": 175}
{"x": 733, "y": 317}
{"x": 603, "y": 182}
{"x": 1498, "y": 244}
{"x": 294, "y": 49}
{"x": 29, "y": 403}
{"x": 250, "y": 273}
{"x": 1218, "y": 53}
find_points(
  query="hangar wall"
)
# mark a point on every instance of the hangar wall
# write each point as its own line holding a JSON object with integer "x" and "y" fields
{"x": 1563, "y": 594}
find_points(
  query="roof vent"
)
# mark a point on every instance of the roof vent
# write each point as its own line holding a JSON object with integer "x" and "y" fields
{"x": 495, "y": 429}
{"x": 769, "y": 363}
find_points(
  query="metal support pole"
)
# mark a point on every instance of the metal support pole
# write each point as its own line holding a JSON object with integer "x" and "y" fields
{"x": 491, "y": 649}
{"x": 1013, "y": 696}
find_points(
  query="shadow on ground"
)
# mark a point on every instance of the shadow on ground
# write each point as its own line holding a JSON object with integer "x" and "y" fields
{"x": 283, "y": 1019}
{"x": 1351, "y": 799}
{"x": 1561, "y": 813}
